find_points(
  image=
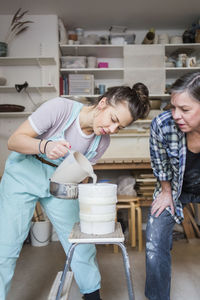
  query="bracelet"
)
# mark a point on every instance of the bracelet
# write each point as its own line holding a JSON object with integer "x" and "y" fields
{"x": 45, "y": 146}
{"x": 39, "y": 146}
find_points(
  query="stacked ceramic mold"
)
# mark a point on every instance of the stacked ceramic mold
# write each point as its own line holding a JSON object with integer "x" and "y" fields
{"x": 97, "y": 207}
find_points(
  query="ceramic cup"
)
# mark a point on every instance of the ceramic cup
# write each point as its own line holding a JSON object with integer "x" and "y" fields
{"x": 191, "y": 62}
{"x": 163, "y": 38}
{"x": 182, "y": 57}
{"x": 70, "y": 42}
{"x": 91, "y": 62}
{"x": 176, "y": 39}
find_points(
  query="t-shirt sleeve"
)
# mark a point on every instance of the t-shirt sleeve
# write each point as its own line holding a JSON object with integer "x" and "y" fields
{"x": 103, "y": 145}
{"x": 50, "y": 114}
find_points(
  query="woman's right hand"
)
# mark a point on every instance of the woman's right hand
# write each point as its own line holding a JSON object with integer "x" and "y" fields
{"x": 57, "y": 149}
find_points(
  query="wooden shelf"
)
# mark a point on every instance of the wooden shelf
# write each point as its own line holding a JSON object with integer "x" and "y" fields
{"x": 126, "y": 163}
{"x": 27, "y": 61}
{"x": 93, "y": 50}
{"x": 15, "y": 114}
{"x": 40, "y": 89}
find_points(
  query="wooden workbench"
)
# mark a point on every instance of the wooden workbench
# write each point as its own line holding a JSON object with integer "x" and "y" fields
{"x": 123, "y": 164}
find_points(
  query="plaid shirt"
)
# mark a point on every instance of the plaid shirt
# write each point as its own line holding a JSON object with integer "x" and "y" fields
{"x": 168, "y": 157}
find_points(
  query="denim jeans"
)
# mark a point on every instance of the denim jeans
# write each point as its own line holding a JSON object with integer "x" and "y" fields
{"x": 158, "y": 258}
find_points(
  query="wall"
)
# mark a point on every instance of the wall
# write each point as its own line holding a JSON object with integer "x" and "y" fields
{"x": 41, "y": 39}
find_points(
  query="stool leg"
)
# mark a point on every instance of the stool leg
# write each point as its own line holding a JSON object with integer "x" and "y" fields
{"x": 115, "y": 247}
{"x": 130, "y": 226}
{"x": 133, "y": 231}
{"x": 66, "y": 269}
{"x": 139, "y": 224}
{"x": 127, "y": 271}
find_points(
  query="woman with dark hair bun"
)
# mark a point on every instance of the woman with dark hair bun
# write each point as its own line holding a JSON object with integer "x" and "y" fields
{"x": 175, "y": 157}
{"x": 39, "y": 145}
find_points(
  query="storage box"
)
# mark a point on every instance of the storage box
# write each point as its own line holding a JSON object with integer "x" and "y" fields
{"x": 103, "y": 64}
{"x": 81, "y": 84}
{"x": 73, "y": 62}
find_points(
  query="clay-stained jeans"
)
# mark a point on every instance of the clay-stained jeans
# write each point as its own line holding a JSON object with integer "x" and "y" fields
{"x": 158, "y": 258}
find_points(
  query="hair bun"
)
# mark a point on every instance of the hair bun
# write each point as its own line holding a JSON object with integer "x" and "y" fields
{"x": 141, "y": 89}
{"x": 143, "y": 96}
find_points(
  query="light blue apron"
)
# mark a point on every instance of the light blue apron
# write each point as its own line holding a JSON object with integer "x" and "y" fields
{"x": 26, "y": 181}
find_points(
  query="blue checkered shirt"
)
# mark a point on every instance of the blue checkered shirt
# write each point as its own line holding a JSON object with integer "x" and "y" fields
{"x": 168, "y": 157}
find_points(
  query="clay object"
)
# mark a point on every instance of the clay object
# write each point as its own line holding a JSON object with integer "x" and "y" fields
{"x": 149, "y": 38}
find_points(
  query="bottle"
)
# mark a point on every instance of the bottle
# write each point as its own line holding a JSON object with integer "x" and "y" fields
{"x": 149, "y": 37}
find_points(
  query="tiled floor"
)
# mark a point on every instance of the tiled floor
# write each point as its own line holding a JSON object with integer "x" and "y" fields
{"x": 38, "y": 266}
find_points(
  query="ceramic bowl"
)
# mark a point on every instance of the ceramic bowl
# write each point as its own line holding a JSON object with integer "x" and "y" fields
{"x": 64, "y": 190}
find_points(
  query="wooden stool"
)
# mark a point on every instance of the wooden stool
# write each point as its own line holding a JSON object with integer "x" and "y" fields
{"x": 134, "y": 213}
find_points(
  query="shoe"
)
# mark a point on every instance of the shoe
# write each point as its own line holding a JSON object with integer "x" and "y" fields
{"x": 92, "y": 296}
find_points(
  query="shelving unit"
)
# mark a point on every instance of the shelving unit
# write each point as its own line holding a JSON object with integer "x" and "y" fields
{"x": 113, "y": 54}
{"x": 172, "y": 50}
{"x": 117, "y": 55}
{"x": 30, "y": 69}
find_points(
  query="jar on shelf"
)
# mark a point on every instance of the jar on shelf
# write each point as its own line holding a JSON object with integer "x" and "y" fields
{"x": 72, "y": 36}
{"x": 197, "y": 36}
{"x": 182, "y": 57}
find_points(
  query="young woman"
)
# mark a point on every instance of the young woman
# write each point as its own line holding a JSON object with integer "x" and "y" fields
{"x": 175, "y": 156}
{"x": 39, "y": 145}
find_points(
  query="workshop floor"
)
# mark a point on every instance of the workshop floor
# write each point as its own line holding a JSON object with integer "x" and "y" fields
{"x": 37, "y": 267}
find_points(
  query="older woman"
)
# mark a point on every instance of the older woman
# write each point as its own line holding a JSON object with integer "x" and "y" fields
{"x": 175, "y": 156}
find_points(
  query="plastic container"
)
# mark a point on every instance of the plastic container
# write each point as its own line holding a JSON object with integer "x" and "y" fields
{"x": 73, "y": 62}
{"x": 103, "y": 64}
{"x": 97, "y": 204}
{"x": 40, "y": 233}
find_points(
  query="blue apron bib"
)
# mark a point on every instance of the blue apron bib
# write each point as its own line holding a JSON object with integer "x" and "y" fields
{"x": 61, "y": 136}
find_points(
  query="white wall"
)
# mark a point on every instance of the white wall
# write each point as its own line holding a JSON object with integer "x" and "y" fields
{"x": 41, "y": 39}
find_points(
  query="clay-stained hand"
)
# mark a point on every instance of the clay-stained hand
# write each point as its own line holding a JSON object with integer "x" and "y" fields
{"x": 163, "y": 200}
{"x": 57, "y": 149}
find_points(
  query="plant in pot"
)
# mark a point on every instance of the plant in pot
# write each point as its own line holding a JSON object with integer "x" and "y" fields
{"x": 17, "y": 26}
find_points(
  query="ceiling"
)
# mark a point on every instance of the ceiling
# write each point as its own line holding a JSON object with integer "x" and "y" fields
{"x": 100, "y": 15}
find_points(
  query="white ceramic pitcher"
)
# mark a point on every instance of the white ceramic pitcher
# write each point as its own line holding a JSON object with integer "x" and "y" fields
{"x": 74, "y": 169}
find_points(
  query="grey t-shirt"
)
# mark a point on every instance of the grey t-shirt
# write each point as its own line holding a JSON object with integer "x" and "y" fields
{"x": 50, "y": 119}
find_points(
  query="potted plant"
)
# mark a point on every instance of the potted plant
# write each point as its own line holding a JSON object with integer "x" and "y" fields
{"x": 17, "y": 26}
